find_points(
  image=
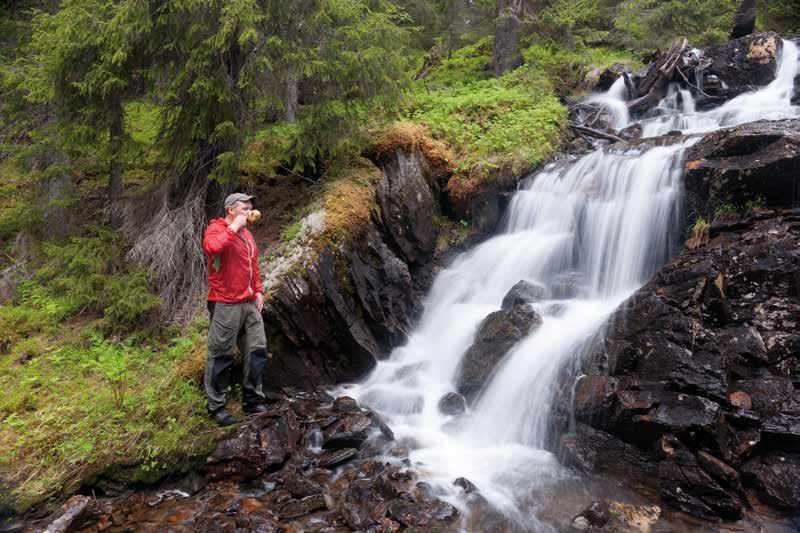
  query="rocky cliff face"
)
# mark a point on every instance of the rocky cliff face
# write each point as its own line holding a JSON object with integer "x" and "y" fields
{"x": 335, "y": 307}
{"x": 694, "y": 390}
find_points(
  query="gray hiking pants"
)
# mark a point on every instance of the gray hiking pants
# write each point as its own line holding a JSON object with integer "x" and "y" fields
{"x": 227, "y": 322}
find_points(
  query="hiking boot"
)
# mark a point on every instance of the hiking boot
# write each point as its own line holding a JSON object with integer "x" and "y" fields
{"x": 255, "y": 409}
{"x": 223, "y": 417}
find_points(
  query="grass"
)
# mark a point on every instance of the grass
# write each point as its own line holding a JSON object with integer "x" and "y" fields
{"x": 78, "y": 405}
{"x": 506, "y": 124}
{"x": 90, "y": 384}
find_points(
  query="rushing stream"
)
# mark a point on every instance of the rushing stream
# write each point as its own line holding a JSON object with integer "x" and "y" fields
{"x": 601, "y": 225}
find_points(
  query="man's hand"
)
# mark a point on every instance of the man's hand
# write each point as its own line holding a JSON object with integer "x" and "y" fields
{"x": 259, "y": 302}
{"x": 238, "y": 223}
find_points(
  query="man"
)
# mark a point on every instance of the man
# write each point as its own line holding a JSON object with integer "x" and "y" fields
{"x": 235, "y": 301}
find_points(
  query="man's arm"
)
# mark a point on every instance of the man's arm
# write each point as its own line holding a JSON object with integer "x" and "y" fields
{"x": 216, "y": 238}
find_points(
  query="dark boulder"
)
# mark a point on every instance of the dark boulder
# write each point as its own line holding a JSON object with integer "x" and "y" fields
{"x": 743, "y": 164}
{"x": 746, "y": 63}
{"x": 770, "y": 395}
{"x": 466, "y": 485}
{"x": 497, "y": 334}
{"x": 606, "y": 77}
{"x": 776, "y": 476}
{"x": 260, "y": 445}
{"x": 591, "y": 450}
{"x": 452, "y": 404}
{"x": 631, "y": 133}
{"x": 348, "y": 432}
{"x": 686, "y": 485}
{"x": 523, "y": 292}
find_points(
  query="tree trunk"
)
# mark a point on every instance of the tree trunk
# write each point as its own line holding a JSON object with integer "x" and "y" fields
{"x": 508, "y": 29}
{"x": 744, "y": 22}
{"x": 291, "y": 96}
{"x": 116, "y": 137}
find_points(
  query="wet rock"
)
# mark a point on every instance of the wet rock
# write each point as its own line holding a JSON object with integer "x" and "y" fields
{"x": 364, "y": 502}
{"x": 358, "y": 313}
{"x": 467, "y": 485}
{"x": 682, "y": 413}
{"x": 298, "y": 508}
{"x": 782, "y": 431}
{"x": 592, "y": 450}
{"x": 259, "y": 445}
{"x": 628, "y": 517}
{"x": 348, "y": 432}
{"x": 776, "y": 475}
{"x": 345, "y": 404}
{"x": 696, "y": 366}
{"x": 336, "y": 458}
{"x": 452, "y": 403}
{"x": 524, "y": 292}
{"x": 737, "y": 165}
{"x": 771, "y": 395}
{"x": 497, "y": 334}
{"x": 631, "y": 133}
{"x": 407, "y": 205}
{"x": 740, "y": 400}
{"x": 413, "y": 514}
{"x": 609, "y": 515}
{"x": 594, "y": 516}
{"x": 746, "y": 63}
{"x": 299, "y": 485}
{"x": 686, "y": 486}
{"x": 608, "y": 76}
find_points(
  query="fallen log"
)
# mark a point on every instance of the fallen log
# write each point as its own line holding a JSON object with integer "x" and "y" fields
{"x": 597, "y": 134}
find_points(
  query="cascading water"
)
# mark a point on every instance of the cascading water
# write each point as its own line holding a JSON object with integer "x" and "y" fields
{"x": 606, "y": 222}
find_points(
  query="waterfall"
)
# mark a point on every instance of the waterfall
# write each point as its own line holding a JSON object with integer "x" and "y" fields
{"x": 606, "y": 222}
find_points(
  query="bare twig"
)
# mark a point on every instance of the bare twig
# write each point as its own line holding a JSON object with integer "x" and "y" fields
{"x": 596, "y": 133}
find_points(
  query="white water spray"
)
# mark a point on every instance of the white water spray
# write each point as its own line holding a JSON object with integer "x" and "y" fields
{"x": 606, "y": 222}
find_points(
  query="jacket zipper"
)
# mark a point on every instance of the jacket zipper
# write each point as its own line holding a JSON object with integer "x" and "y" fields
{"x": 249, "y": 265}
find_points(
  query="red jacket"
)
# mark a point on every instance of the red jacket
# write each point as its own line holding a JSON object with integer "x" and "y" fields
{"x": 233, "y": 274}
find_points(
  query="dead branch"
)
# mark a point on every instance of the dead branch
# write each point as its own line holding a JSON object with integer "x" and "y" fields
{"x": 595, "y": 133}
{"x": 655, "y": 83}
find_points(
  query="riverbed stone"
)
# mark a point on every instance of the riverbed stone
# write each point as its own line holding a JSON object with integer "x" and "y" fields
{"x": 523, "y": 292}
{"x": 496, "y": 335}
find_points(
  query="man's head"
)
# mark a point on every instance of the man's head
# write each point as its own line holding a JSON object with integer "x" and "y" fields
{"x": 238, "y": 204}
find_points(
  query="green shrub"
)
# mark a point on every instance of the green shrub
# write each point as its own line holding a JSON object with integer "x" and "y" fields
{"x": 290, "y": 231}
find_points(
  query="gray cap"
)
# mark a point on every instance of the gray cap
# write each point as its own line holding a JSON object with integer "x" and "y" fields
{"x": 237, "y": 197}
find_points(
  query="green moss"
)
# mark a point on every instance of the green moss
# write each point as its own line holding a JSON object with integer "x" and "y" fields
{"x": 566, "y": 68}
{"x": 514, "y": 121}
